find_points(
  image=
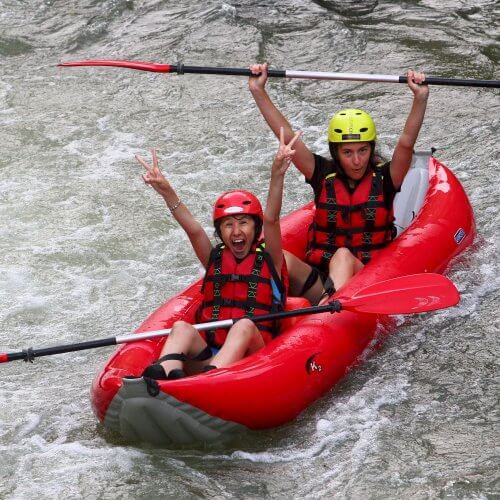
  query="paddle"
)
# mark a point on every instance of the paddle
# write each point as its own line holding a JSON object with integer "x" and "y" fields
{"x": 415, "y": 293}
{"x": 180, "y": 69}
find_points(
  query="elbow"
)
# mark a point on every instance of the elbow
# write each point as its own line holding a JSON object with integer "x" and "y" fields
{"x": 406, "y": 144}
{"x": 271, "y": 219}
{"x": 195, "y": 232}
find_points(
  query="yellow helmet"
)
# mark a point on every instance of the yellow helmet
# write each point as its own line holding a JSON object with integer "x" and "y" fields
{"x": 352, "y": 125}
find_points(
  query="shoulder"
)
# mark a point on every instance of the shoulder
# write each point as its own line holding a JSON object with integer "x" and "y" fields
{"x": 383, "y": 169}
{"x": 322, "y": 167}
{"x": 260, "y": 249}
{"x": 217, "y": 251}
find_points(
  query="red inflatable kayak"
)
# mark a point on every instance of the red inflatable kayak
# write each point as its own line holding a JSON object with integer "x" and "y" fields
{"x": 271, "y": 387}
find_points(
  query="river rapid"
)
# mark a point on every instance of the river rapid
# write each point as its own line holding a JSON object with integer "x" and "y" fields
{"x": 88, "y": 251}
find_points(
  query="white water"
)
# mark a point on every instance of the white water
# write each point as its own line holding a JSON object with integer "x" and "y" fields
{"x": 87, "y": 251}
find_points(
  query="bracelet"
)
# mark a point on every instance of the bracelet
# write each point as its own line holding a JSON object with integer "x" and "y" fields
{"x": 175, "y": 206}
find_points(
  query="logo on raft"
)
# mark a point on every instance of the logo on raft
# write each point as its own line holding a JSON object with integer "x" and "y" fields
{"x": 311, "y": 365}
{"x": 459, "y": 236}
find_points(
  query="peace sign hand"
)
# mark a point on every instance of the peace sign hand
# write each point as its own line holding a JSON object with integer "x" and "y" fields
{"x": 153, "y": 175}
{"x": 285, "y": 153}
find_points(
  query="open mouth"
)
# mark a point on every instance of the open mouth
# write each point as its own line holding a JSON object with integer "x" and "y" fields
{"x": 238, "y": 245}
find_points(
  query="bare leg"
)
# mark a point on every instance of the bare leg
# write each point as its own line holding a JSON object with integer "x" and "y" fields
{"x": 183, "y": 338}
{"x": 298, "y": 272}
{"x": 242, "y": 339}
{"x": 343, "y": 266}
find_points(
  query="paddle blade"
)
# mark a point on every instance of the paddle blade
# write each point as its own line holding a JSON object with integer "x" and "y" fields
{"x": 139, "y": 65}
{"x": 415, "y": 293}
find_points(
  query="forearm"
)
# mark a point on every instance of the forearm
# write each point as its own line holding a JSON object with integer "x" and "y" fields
{"x": 273, "y": 116}
{"x": 183, "y": 216}
{"x": 196, "y": 234}
{"x": 303, "y": 158}
{"x": 413, "y": 123}
{"x": 274, "y": 199}
{"x": 401, "y": 159}
{"x": 167, "y": 192}
{"x": 272, "y": 229}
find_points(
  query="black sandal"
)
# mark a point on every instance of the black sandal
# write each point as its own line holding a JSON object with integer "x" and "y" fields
{"x": 157, "y": 372}
{"x": 208, "y": 368}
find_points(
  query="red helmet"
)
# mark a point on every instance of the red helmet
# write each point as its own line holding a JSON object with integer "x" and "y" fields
{"x": 237, "y": 202}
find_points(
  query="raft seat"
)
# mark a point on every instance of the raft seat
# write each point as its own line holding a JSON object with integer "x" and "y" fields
{"x": 293, "y": 303}
{"x": 409, "y": 201}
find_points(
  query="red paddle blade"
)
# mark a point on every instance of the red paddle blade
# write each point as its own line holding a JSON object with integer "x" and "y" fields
{"x": 142, "y": 66}
{"x": 414, "y": 293}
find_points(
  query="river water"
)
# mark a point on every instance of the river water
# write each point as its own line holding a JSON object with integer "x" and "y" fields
{"x": 88, "y": 251}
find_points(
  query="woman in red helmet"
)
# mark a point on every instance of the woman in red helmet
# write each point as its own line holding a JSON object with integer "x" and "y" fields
{"x": 242, "y": 277}
{"x": 353, "y": 192}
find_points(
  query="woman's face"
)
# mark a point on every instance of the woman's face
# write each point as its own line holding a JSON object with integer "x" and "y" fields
{"x": 354, "y": 158}
{"x": 238, "y": 233}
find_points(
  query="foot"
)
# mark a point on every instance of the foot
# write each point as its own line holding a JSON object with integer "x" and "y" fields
{"x": 155, "y": 371}
{"x": 175, "y": 374}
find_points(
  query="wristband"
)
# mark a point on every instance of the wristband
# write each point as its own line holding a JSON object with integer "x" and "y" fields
{"x": 175, "y": 206}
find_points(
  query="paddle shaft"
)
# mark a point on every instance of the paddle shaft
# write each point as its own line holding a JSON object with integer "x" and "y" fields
{"x": 408, "y": 294}
{"x": 29, "y": 354}
{"x": 320, "y": 75}
{"x": 278, "y": 73}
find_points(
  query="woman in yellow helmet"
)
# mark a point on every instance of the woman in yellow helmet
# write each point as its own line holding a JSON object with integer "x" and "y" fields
{"x": 353, "y": 191}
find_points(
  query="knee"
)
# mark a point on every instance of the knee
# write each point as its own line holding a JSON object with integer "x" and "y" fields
{"x": 246, "y": 325}
{"x": 180, "y": 328}
{"x": 342, "y": 256}
{"x": 243, "y": 329}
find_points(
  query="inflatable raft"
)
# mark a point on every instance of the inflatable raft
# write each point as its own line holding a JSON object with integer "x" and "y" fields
{"x": 435, "y": 223}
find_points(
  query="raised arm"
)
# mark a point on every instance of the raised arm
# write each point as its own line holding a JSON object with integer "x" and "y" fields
{"x": 303, "y": 159}
{"x": 197, "y": 236}
{"x": 401, "y": 158}
{"x": 272, "y": 229}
